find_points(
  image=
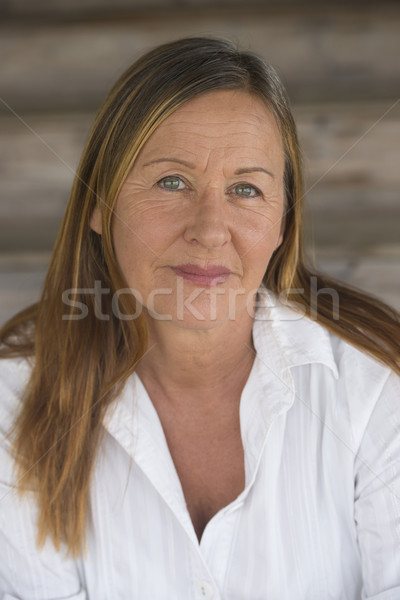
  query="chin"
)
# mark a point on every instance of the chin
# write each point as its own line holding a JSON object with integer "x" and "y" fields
{"x": 204, "y": 311}
{"x": 197, "y": 325}
{"x": 194, "y": 317}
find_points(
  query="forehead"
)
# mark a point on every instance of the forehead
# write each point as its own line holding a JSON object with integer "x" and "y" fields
{"x": 219, "y": 117}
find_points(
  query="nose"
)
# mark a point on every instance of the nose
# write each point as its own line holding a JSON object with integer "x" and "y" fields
{"x": 209, "y": 224}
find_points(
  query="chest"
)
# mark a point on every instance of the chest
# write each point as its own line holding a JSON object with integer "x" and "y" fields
{"x": 209, "y": 460}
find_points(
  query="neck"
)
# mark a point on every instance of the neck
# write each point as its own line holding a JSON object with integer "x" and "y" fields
{"x": 182, "y": 363}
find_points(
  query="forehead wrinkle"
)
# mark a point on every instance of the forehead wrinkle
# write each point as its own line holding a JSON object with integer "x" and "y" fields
{"x": 211, "y": 118}
{"x": 220, "y": 113}
{"x": 183, "y": 128}
{"x": 210, "y": 121}
{"x": 201, "y": 137}
{"x": 185, "y": 136}
{"x": 221, "y": 147}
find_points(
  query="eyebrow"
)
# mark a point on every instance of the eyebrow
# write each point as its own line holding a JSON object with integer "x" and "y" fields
{"x": 176, "y": 160}
{"x": 180, "y": 161}
{"x": 254, "y": 170}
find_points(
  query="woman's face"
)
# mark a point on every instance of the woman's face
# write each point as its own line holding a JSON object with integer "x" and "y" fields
{"x": 200, "y": 214}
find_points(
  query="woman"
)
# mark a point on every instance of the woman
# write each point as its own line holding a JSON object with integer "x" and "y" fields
{"x": 191, "y": 412}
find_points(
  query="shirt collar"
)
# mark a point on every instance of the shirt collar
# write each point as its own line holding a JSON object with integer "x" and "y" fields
{"x": 284, "y": 334}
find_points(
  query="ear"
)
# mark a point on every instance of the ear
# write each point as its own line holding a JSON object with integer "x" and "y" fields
{"x": 95, "y": 221}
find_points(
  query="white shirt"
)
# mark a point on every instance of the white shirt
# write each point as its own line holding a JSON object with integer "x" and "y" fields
{"x": 319, "y": 518}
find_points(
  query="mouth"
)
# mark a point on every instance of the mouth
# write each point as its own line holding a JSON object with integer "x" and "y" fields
{"x": 212, "y": 275}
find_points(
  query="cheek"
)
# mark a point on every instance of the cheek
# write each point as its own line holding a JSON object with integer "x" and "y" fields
{"x": 133, "y": 247}
{"x": 148, "y": 225}
{"x": 131, "y": 238}
{"x": 256, "y": 260}
{"x": 259, "y": 231}
{"x": 258, "y": 244}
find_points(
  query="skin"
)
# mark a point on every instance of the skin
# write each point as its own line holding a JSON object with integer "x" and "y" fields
{"x": 224, "y": 206}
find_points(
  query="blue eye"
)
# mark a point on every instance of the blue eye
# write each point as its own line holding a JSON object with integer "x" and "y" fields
{"x": 246, "y": 191}
{"x": 172, "y": 183}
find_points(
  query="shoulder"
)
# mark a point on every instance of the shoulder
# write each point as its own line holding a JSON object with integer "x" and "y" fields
{"x": 304, "y": 341}
{"x": 341, "y": 382}
{"x": 357, "y": 365}
{"x": 363, "y": 394}
{"x": 355, "y": 395}
{"x": 24, "y": 571}
{"x": 14, "y": 376}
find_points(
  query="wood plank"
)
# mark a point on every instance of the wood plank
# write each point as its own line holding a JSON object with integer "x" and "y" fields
{"x": 325, "y": 53}
{"x": 352, "y": 177}
{"x": 26, "y": 9}
{"x": 38, "y": 158}
{"x": 74, "y": 9}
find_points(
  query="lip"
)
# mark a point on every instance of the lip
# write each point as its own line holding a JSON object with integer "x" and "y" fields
{"x": 212, "y": 275}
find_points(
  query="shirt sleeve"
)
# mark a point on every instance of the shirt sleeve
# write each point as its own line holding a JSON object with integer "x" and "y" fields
{"x": 377, "y": 496}
{"x": 27, "y": 573}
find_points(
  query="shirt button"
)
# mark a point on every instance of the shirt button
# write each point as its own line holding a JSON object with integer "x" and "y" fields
{"x": 205, "y": 589}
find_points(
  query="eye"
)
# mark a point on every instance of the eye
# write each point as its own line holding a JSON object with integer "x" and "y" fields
{"x": 171, "y": 183}
{"x": 246, "y": 190}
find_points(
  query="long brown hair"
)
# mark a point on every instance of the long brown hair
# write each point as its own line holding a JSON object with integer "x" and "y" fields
{"x": 80, "y": 364}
